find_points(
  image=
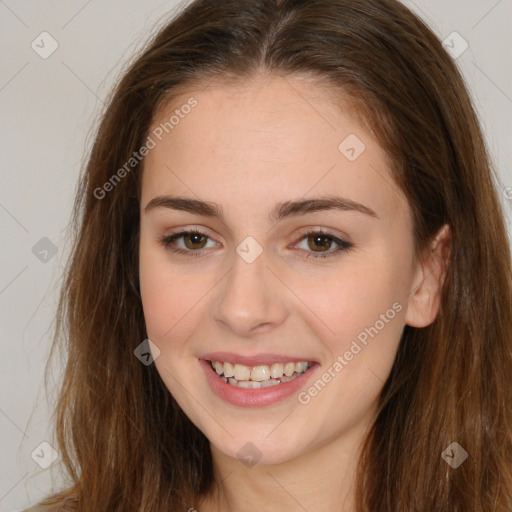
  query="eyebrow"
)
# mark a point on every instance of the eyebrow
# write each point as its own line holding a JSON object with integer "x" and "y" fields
{"x": 281, "y": 211}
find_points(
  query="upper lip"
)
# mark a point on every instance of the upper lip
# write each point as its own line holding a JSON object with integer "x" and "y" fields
{"x": 253, "y": 360}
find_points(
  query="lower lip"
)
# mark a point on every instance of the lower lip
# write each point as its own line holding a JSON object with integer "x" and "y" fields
{"x": 253, "y": 397}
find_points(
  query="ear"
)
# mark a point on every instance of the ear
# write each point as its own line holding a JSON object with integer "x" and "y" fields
{"x": 425, "y": 296}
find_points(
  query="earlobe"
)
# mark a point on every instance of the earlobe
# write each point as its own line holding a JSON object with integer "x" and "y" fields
{"x": 425, "y": 296}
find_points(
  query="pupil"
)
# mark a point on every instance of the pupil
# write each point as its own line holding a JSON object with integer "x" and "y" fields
{"x": 317, "y": 240}
{"x": 194, "y": 239}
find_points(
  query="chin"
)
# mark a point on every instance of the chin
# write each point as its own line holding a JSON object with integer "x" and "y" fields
{"x": 259, "y": 449}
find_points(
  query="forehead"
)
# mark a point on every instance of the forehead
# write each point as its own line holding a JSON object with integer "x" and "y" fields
{"x": 267, "y": 111}
{"x": 276, "y": 138}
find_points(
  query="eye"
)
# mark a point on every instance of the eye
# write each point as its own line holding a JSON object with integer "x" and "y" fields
{"x": 321, "y": 243}
{"x": 193, "y": 239}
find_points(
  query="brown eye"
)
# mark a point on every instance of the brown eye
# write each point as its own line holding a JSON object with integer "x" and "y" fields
{"x": 193, "y": 240}
{"x": 187, "y": 243}
{"x": 319, "y": 243}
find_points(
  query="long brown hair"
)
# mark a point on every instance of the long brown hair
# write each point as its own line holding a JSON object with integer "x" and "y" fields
{"x": 125, "y": 442}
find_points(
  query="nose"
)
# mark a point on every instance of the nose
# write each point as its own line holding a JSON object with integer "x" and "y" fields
{"x": 251, "y": 299}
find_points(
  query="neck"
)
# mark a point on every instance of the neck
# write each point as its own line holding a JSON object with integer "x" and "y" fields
{"x": 322, "y": 479}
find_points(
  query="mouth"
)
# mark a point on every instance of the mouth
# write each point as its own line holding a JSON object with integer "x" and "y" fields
{"x": 257, "y": 380}
{"x": 259, "y": 376}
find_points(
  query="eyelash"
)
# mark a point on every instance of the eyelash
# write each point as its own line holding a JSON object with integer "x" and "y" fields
{"x": 343, "y": 245}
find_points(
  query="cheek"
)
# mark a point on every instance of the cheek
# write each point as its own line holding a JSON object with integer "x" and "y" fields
{"x": 361, "y": 314}
{"x": 348, "y": 301}
{"x": 359, "y": 318}
{"x": 169, "y": 298}
{"x": 170, "y": 302}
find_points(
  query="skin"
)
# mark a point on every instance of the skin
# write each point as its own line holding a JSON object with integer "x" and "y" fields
{"x": 248, "y": 147}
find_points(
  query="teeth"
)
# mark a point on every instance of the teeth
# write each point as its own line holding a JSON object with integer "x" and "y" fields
{"x": 267, "y": 383}
{"x": 289, "y": 368}
{"x": 228, "y": 370}
{"x": 250, "y": 384}
{"x": 260, "y": 373}
{"x": 301, "y": 367}
{"x": 261, "y": 376}
{"x": 241, "y": 372}
{"x": 276, "y": 370}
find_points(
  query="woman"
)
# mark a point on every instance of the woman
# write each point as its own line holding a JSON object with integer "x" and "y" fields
{"x": 291, "y": 284}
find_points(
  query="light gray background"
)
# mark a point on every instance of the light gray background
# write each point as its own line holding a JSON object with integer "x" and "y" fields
{"x": 49, "y": 108}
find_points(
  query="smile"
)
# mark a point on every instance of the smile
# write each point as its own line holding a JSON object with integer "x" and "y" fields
{"x": 261, "y": 376}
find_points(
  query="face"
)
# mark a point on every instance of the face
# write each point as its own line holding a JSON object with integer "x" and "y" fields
{"x": 289, "y": 244}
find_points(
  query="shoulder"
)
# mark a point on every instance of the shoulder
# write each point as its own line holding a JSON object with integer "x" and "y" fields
{"x": 60, "y": 506}
{"x": 62, "y": 501}
{"x": 47, "y": 508}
